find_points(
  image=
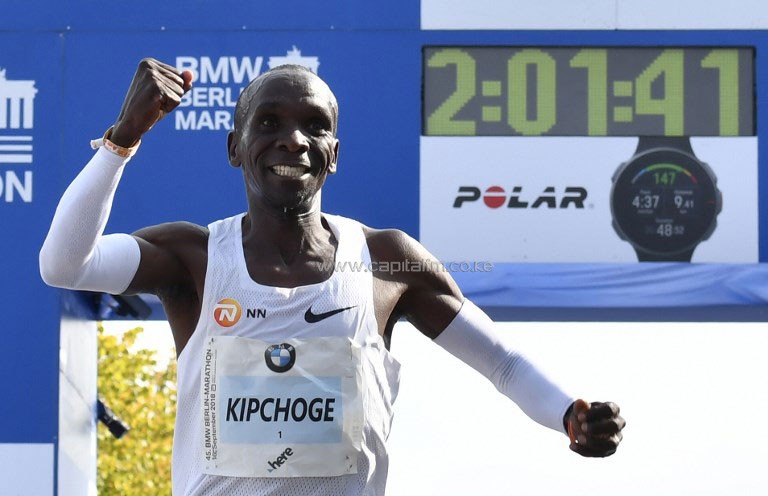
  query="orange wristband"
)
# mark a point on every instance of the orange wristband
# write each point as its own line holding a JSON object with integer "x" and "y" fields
{"x": 571, "y": 434}
{"x": 116, "y": 149}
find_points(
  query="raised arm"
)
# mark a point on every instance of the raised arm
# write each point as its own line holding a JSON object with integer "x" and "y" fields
{"x": 76, "y": 254}
{"x": 429, "y": 298}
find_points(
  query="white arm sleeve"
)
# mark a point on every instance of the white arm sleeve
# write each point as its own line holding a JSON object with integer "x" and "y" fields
{"x": 76, "y": 254}
{"x": 473, "y": 338}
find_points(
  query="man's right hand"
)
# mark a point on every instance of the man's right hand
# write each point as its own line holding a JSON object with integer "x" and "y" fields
{"x": 156, "y": 90}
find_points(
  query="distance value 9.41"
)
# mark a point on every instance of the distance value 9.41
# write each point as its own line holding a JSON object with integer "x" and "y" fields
{"x": 588, "y": 91}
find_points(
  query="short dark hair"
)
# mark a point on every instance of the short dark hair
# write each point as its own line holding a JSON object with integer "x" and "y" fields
{"x": 241, "y": 108}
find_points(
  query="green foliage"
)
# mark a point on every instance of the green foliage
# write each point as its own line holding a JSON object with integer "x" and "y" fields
{"x": 144, "y": 396}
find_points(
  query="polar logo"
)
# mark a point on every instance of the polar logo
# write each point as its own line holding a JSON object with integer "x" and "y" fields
{"x": 497, "y": 197}
{"x": 227, "y": 312}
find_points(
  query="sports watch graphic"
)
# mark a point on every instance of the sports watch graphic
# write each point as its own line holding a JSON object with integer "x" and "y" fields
{"x": 664, "y": 200}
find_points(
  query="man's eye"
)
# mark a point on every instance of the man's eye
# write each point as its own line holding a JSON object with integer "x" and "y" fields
{"x": 317, "y": 126}
{"x": 268, "y": 122}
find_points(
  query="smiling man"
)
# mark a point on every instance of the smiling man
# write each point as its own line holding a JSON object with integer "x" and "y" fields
{"x": 285, "y": 381}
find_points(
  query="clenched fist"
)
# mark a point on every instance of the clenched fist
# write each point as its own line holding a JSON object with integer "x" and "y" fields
{"x": 156, "y": 90}
{"x": 595, "y": 428}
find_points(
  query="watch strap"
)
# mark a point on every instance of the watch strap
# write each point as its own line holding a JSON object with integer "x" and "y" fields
{"x": 682, "y": 143}
{"x": 683, "y": 256}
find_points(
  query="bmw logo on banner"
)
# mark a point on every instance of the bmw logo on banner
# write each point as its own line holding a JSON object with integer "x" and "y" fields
{"x": 280, "y": 357}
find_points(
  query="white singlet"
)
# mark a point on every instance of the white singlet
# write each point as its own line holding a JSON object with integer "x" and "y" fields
{"x": 339, "y": 309}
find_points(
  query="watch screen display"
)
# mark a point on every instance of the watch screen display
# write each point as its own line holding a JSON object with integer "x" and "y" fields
{"x": 588, "y": 91}
{"x": 665, "y": 201}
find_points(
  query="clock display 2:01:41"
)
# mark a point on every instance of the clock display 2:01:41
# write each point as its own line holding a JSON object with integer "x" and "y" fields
{"x": 588, "y": 91}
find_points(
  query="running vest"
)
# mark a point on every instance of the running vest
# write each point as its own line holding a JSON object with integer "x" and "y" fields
{"x": 273, "y": 380}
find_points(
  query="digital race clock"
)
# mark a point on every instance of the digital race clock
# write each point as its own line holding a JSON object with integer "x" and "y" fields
{"x": 588, "y": 91}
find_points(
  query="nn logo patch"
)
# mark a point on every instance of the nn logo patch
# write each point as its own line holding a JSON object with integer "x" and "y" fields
{"x": 227, "y": 312}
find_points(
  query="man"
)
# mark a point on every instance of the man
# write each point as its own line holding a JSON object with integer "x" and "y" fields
{"x": 298, "y": 402}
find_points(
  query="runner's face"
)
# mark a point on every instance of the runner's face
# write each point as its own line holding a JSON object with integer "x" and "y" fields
{"x": 286, "y": 143}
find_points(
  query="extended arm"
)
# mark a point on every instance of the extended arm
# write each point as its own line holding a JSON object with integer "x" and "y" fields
{"x": 76, "y": 254}
{"x": 472, "y": 337}
{"x": 431, "y": 300}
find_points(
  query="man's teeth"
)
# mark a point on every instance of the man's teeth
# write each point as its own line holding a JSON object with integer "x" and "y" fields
{"x": 289, "y": 170}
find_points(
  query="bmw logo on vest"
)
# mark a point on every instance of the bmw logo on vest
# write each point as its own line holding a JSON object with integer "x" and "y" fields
{"x": 280, "y": 357}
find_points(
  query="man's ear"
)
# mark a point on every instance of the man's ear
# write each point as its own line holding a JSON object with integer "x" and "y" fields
{"x": 232, "y": 140}
{"x": 332, "y": 167}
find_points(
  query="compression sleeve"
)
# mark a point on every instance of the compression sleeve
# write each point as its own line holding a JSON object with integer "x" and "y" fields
{"x": 76, "y": 254}
{"x": 472, "y": 338}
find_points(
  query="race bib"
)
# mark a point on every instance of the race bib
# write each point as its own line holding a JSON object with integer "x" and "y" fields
{"x": 290, "y": 409}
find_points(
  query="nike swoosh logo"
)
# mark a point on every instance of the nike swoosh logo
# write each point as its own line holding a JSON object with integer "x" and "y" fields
{"x": 313, "y": 318}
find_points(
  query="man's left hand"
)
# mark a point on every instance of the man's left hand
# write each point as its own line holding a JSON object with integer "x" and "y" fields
{"x": 595, "y": 429}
